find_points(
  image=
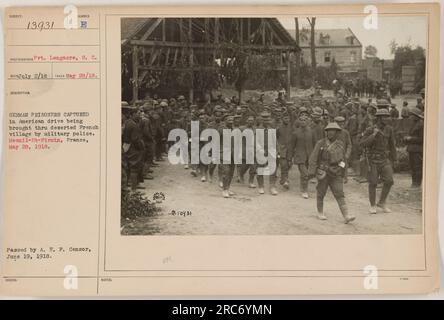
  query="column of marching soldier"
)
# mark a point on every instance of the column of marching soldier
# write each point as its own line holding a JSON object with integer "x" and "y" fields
{"x": 321, "y": 137}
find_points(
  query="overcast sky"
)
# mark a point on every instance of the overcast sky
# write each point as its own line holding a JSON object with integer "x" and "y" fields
{"x": 404, "y": 29}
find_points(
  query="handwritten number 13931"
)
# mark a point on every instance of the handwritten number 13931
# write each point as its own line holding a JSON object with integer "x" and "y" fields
{"x": 40, "y": 25}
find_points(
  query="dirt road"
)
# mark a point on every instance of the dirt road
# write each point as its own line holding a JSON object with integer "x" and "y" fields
{"x": 248, "y": 213}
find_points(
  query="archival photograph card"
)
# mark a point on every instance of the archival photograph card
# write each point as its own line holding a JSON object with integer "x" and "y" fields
{"x": 220, "y": 150}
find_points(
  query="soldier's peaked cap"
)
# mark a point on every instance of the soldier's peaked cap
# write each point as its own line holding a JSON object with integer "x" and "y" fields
{"x": 381, "y": 103}
{"x": 265, "y": 114}
{"x": 339, "y": 119}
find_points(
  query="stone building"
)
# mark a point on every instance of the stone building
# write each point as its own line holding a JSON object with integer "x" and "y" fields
{"x": 339, "y": 44}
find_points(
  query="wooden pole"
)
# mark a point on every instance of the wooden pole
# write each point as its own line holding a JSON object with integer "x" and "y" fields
{"x": 288, "y": 89}
{"x": 190, "y": 39}
{"x": 263, "y": 31}
{"x": 241, "y": 21}
{"x": 163, "y": 30}
{"x": 298, "y": 54}
{"x": 216, "y": 30}
{"x": 313, "y": 48}
{"x": 135, "y": 74}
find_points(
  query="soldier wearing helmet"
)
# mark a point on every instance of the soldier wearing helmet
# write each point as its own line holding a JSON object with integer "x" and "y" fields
{"x": 327, "y": 163}
{"x": 381, "y": 154}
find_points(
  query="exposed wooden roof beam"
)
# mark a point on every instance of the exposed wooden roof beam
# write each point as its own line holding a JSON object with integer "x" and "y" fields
{"x": 204, "y": 45}
{"x": 151, "y": 29}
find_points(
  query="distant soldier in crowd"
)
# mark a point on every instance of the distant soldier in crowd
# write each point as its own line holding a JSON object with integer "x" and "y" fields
{"x": 420, "y": 104}
{"x": 405, "y": 112}
{"x": 327, "y": 163}
{"x": 317, "y": 125}
{"x": 145, "y": 127}
{"x": 380, "y": 143}
{"x": 250, "y": 167}
{"x": 414, "y": 143}
{"x": 394, "y": 113}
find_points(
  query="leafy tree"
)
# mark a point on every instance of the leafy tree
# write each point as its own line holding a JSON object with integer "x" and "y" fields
{"x": 405, "y": 55}
{"x": 370, "y": 51}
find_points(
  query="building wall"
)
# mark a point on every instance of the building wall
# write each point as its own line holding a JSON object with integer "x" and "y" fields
{"x": 342, "y": 55}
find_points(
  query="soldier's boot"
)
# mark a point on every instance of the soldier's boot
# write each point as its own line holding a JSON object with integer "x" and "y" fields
{"x": 384, "y": 208}
{"x": 372, "y": 198}
{"x": 231, "y": 193}
{"x": 348, "y": 217}
{"x": 384, "y": 194}
{"x": 320, "y": 207}
{"x": 273, "y": 191}
{"x": 363, "y": 171}
{"x": 251, "y": 182}
{"x": 225, "y": 194}
{"x": 133, "y": 181}
{"x": 260, "y": 182}
{"x": 286, "y": 185}
{"x": 240, "y": 175}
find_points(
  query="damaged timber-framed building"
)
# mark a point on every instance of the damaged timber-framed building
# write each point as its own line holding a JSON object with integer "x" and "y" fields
{"x": 172, "y": 56}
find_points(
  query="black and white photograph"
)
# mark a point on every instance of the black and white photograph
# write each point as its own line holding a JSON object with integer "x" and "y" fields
{"x": 273, "y": 126}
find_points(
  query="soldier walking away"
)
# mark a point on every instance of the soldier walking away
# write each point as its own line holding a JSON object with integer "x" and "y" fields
{"x": 381, "y": 152}
{"x": 283, "y": 134}
{"x": 266, "y": 122}
{"x": 327, "y": 163}
{"x": 301, "y": 146}
{"x": 414, "y": 143}
{"x": 367, "y": 122}
{"x": 227, "y": 169}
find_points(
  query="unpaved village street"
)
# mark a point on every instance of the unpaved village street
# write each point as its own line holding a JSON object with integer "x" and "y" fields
{"x": 248, "y": 213}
